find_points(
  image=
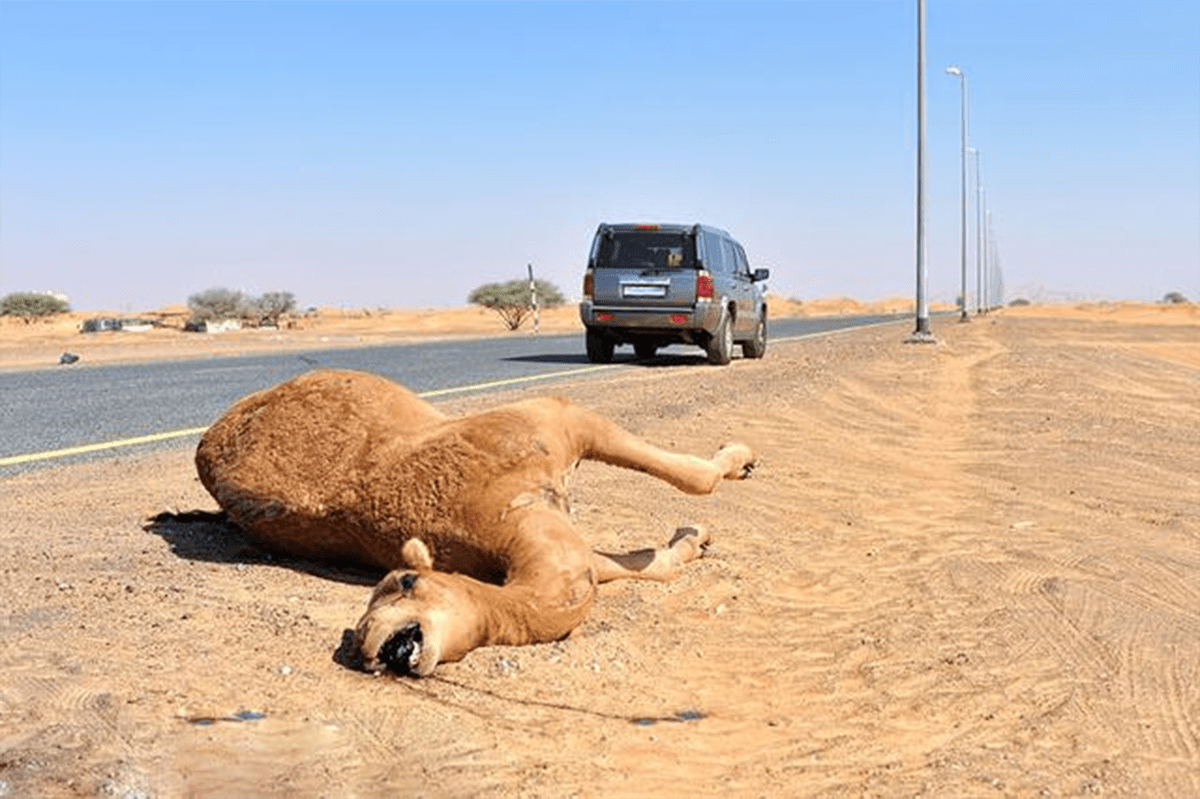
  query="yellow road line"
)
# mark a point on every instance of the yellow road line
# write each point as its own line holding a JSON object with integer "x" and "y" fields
{"x": 515, "y": 380}
{"x": 17, "y": 460}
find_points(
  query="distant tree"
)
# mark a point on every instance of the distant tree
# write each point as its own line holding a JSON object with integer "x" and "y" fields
{"x": 511, "y": 300}
{"x": 32, "y": 305}
{"x": 267, "y": 309}
{"x": 1019, "y": 302}
{"x": 1175, "y": 298}
{"x": 215, "y": 304}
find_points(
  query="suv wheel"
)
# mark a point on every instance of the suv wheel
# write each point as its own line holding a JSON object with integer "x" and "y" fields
{"x": 599, "y": 348}
{"x": 645, "y": 349}
{"x": 720, "y": 348}
{"x": 757, "y": 346}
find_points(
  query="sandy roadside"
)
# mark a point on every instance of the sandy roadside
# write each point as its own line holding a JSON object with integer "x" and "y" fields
{"x": 966, "y": 569}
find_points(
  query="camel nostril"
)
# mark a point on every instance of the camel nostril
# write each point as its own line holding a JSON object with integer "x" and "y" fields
{"x": 399, "y": 652}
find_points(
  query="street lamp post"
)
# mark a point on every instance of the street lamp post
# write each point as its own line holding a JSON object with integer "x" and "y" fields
{"x": 996, "y": 281}
{"x": 962, "y": 79}
{"x": 978, "y": 235}
{"x": 990, "y": 263}
{"x": 922, "y": 332}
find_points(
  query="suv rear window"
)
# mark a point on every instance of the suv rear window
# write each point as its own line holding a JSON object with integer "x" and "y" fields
{"x": 647, "y": 250}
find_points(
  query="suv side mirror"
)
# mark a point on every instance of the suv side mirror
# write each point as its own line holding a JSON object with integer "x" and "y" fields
{"x": 760, "y": 274}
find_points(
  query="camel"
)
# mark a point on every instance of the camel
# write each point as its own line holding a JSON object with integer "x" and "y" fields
{"x": 469, "y": 514}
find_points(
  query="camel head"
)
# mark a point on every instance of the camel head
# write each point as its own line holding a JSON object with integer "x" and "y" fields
{"x": 416, "y": 618}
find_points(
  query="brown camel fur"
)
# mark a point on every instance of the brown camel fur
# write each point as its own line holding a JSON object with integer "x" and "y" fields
{"x": 471, "y": 513}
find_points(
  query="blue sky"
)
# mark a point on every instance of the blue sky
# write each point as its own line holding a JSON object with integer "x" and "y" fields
{"x": 400, "y": 154}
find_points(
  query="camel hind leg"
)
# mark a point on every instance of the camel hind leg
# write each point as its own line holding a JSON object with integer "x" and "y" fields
{"x": 609, "y": 443}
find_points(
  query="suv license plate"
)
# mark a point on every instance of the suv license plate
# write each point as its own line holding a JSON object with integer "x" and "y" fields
{"x": 645, "y": 291}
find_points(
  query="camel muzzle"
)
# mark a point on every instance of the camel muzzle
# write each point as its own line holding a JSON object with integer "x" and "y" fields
{"x": 402, "y": 651}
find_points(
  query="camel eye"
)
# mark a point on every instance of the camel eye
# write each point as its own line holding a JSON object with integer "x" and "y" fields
{"x": 407, "y": 581}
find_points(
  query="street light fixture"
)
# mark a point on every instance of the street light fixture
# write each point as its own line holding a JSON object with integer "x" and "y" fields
{"x": 958, "y": 73}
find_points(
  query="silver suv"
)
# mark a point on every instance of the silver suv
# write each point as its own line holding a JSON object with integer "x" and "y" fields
{"x": 654, "y": 285}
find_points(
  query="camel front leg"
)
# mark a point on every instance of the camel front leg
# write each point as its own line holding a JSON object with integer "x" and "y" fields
{"x": 662, "y": 564}
{"x": 609, "y": 443}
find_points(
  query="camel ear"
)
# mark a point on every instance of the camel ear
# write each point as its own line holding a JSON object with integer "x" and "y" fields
{"x": 416, "y": 555}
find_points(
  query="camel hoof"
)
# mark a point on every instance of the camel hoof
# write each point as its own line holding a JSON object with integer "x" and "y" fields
{"x": 743, "y": 461}
{"x": 696, "y": 531}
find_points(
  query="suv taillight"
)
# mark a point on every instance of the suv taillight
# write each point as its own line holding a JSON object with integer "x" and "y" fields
{"x": 704, "y": 286}
{"x": 589, "y": 284}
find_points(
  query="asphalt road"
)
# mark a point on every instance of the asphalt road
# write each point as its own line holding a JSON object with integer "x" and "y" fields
{"x": 79, "y": 412}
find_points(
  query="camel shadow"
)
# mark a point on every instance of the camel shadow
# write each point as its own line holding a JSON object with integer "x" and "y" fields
{"x": 210, "y": 536}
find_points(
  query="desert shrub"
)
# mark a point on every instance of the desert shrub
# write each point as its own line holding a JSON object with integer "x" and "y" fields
{"x": 1017, "y": 303}
{"x": 215, "y": 304}
{"x": 32, "y": 305}
{"x": 218, "y": 304}
{"x": 1175, "y": 298}
{"x": 512, "y": 301}
{"x": 267, "y": 309}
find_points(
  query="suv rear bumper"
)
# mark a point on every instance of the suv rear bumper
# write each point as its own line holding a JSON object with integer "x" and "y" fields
{"x": 667, "y": 321}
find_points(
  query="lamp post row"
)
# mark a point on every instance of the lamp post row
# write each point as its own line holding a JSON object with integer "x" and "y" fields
{"x": 984, "y": 243}
{"x": 985, "y": 263}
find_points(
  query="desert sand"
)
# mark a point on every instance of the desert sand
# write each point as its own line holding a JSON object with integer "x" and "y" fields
{"x": 968, "y": 568}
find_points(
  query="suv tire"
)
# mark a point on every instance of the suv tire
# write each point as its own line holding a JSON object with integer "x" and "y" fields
{"x": 599, "y": 348}
{"x": 757, "y": 346}
{"x": 720, "y": 347}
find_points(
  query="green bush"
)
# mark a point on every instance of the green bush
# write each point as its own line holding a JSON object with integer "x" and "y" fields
{"x": 31, "y": 305}
{"x": 512, "y": 300}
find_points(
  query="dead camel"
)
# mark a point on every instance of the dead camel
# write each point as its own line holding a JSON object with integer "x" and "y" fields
{"x": 471, "y": 513}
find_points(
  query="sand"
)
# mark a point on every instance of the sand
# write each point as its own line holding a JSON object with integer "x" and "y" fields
{"x": 970, "y": 568}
